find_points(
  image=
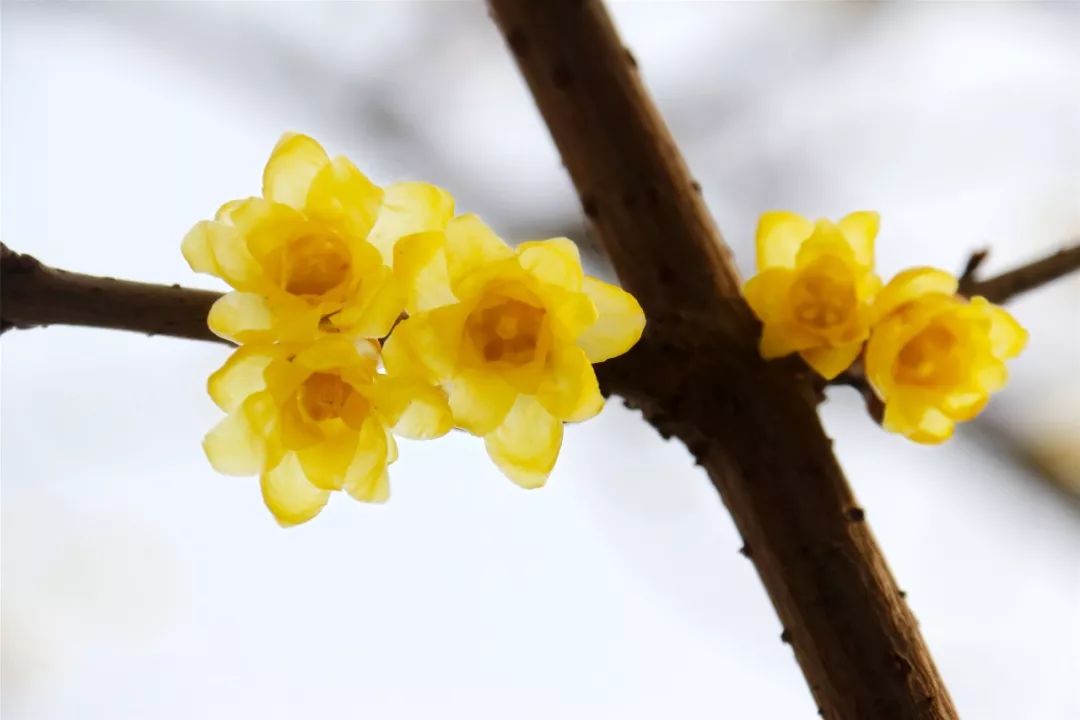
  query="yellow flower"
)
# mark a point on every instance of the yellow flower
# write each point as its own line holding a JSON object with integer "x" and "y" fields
{"x": 511, "y": 335}
{"x": 310, "y": 252}
{"x": 315, "y": 417}
{"x": 934, "y": 357}
{"x": 814, "y": 286}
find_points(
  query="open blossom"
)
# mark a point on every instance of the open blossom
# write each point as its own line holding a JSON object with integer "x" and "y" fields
{"x": 511, "y": 335}
{"x": 814, "y": 287}
{"x": 934, "y": 357}
{"x": 313, "y": 418}
{"x": 311, "y": 251}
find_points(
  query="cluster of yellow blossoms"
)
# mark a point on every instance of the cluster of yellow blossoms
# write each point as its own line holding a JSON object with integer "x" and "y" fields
{"x": 364, "y": 312}
{"x": 931, "y": 355}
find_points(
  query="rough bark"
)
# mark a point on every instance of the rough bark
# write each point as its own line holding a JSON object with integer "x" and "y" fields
{"x": 697, "y": 375}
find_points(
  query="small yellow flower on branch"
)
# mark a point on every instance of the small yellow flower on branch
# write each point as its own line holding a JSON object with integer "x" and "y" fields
{"x": 313, "y": 251}
{"x": 934, "y": 357}
{"x": 497, "y": 341}
{"x": 814, "y": 287}
{"x": 315, "y": 417}
{"x": 511, "y": 335}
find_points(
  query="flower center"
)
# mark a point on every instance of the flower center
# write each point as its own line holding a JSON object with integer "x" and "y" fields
{"x": 323, "y": 396}
{"x": 506, "y": 332}
{"x": 929, "y": 358}
{"x": 822, "y": 301}
{"x": 314, "y": 264}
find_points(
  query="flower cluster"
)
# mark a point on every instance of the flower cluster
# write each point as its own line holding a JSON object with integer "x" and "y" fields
{"x": 364, "y": 312}
{"x": 931, "y": 355}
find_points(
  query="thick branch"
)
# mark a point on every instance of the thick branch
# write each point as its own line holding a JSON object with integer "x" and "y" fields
{"x": 697, "y": 375}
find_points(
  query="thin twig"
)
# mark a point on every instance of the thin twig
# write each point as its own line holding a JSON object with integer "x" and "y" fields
{"x": 1004, "y": 287}
{"x": 35, "y": 295}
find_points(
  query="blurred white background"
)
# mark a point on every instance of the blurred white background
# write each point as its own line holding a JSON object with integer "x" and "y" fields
{"x": 137, "y": 583}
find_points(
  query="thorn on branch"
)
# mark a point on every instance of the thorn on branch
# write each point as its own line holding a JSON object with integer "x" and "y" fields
{"x": 856, "y": 514}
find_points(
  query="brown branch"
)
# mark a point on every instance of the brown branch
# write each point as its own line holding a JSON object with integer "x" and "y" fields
{"x": 697, "y": 375}
{"x": 1004, "y": 287}
{"x": 36, "y": 295}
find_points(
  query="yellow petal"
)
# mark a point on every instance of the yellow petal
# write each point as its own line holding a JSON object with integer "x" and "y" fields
{"x": 413, "y": 408}
{"x": 391, "y": 447}
{"x": 555, "y": 261}
{"x": 240, "y": 376}
{"x": 292, "y": 167}
{"x": 219, "y": 249}
{"x": 913, "y": 415}
{"x": 325, "y": 463}
{"x": 780, "y": 339}
{"x": 964, "y": 406}
{"x": 479, "y": 401}
{"x": 471, "y": 244}
{"x": 570, "y": 313}
{"x": 767, "y": 293}
{"x": 619, "y": 324}
{"x": 366, "y": 478}
{"x": 860, "y": 229}
{"x": 909, "y": 285}
{"x": 295, "y": 430}
{"x": 867, "y": 286}
{"x": 374, "y": 312}
{"x": 526, "y": 444}
{"x": 341, "y": 196}
{"x": 420, "y": 264}
{"x": 902, "y": 412}
{"x": 289, "y": 495}
{"x": 1007, "y": 336}
{"x": 233, "y": 447}
{"x": 991, "y": 374}
{"x": 198, "y": 247}
{"x": 242, "y": 317}
{"x": 335, "y": 351}
{"x": 377, "y": 490}
{"x": 779, "y": 235}
{"x": 934, "y": 427}
{"x": 882, "y": 347}
{"x": 426, "y": 345}
{"x": 265, "y": 226}
{"x": 827, "y": 241}
{"x": 831, "y": 361}
{"x": 408, "y": 208}
{"x": 569, "y": 390}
